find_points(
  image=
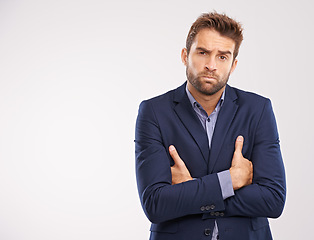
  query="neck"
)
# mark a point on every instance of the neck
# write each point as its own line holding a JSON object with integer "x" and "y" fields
{"x": 208, "y": 102}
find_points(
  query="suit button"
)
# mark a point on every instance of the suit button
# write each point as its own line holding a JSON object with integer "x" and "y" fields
{"x": 207, "y": 232}
{"x": 210, "y": 207}
{"x": 203, "y": 208}
{"x": 222, "y": 214}
{"x": 217, "y": 214}
{"x": 212, "y": 214}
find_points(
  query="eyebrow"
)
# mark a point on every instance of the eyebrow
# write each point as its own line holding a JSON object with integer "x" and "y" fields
{"x": 208, "y": 51}
{"x": 225, "y": 52}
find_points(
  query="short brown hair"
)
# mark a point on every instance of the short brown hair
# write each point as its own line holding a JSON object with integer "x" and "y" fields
{"x": 221, "y": 23}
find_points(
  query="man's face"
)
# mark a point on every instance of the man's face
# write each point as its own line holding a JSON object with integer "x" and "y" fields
{"x": 210, "y": 62}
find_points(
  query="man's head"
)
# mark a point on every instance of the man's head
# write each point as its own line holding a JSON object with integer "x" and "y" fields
{"x": 210, "y": 54}
{"x": 222, "y": 24}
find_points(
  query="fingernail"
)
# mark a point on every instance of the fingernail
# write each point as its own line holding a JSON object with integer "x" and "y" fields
{"x": 171, "y": 148}
{"x": 240, "y": 138}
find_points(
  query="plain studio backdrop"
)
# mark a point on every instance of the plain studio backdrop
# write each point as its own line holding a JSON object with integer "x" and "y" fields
{"x": 72, "y": 75}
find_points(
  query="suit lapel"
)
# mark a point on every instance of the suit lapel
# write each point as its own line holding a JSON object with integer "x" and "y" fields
{"x": 185, "y": 112}
{"x": 225, "y": 117}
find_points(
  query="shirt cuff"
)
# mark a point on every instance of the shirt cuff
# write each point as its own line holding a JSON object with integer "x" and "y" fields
{"x": 225, "y": 182}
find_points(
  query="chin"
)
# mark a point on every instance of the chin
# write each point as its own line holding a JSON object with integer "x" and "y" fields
{"x": 210, "y": 91}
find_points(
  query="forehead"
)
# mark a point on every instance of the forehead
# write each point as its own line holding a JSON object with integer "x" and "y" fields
{"x": 212, "y": 40}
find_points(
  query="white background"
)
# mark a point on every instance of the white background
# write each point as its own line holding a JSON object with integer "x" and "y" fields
{"x": 72, "y": 74}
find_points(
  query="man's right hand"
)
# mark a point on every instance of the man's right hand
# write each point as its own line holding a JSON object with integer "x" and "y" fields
{"x": 241, "y": 170}
{"x": 179, "y": 171}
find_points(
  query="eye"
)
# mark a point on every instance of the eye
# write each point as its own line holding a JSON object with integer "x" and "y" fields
{"x": 222, "y": 57}
{"x": 202, "y": 53}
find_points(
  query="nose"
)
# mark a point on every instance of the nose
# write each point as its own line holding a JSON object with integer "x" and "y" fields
{"x": 210, "y": 64}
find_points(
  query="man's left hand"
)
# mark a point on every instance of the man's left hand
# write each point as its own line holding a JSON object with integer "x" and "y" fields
{"x": 179, "y": 171}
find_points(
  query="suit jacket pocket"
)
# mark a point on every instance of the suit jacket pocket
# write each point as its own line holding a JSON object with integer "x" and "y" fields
{"x": 165, "y": 227}
{"x": 259, "y": 222}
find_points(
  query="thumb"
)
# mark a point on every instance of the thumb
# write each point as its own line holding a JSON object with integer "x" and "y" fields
{"x": 239, "y": 144}
{"x": 174, "y": 154}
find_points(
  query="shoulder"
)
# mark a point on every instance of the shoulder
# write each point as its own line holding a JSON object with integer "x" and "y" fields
{"x": 252, "y": 104}
{"x": 166, "y": 98}
{"x": 247, "y": 98}
{"x": 163, "y": 105}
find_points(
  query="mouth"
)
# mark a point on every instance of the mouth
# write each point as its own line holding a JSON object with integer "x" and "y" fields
{"x": 209, "y": 78}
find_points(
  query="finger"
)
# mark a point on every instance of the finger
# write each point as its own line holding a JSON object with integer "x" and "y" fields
{"x": 174, "y": 154}
{"x": 239, "y": 144}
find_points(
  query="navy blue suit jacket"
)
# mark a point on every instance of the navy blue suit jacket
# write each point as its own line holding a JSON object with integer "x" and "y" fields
{"x": 189, "y": 210}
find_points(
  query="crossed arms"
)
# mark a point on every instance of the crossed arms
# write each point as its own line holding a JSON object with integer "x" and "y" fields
{"x": 167, "y": 194}
{"x": 241, "y": 170}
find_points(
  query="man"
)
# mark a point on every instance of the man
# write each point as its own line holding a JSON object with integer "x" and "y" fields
{"x": 208, "y": 159}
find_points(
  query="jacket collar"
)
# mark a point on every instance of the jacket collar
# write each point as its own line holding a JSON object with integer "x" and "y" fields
{"x": 187, "y": 115}
{"x": 224, "y": 120}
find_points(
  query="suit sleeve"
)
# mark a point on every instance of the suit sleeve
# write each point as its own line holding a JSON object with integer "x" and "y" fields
{"x": 265, "y": 197}
{"x": 161, "y": 200}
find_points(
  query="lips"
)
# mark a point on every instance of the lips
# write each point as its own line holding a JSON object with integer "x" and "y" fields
{"x": 209, "y": 77}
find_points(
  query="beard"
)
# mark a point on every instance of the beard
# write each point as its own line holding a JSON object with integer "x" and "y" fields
{"x": 207, "y": 87}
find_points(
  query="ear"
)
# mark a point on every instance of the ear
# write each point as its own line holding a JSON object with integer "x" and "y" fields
{"x": 184, "y": 56}
{"x": 234, "y": 65}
